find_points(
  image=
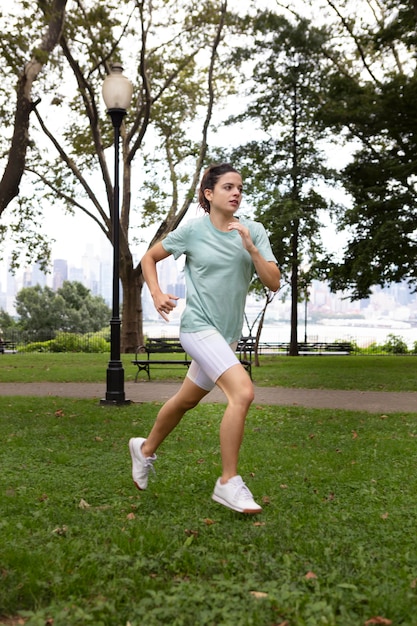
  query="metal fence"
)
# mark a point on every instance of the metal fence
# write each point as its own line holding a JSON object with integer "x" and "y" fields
{"x": 46, "y": 341}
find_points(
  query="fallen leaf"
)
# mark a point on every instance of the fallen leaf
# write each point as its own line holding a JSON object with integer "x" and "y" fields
{"x": 354, "y": 434}
{"x": 191, "y": 532}
{"x": 311, "y": 436}
{"x": 130, "y": 516}
{"x": 208, "y": 521}
{"x": 310, "y": 576}
{"x": 378, "y": 620}
{"x": 385, "y": 515}
{"x": 384, "y": 417}
{"x": 200, "y": 461}
{"x": 413, "y": 583}
{"x": 259, "y": 524}
{"x": 284, "y": 486}
{"x": 43, "y": 497}
{"x": 266, "y": 500}
{"x": 59, "y": 413}
{"x": 258, "y": 594}
{"x": 83, "y": 504}
{"x": 97, "y": 438}
{"x": 61, "y": 531}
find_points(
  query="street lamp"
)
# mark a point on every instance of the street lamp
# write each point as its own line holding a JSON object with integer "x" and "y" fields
{"x": 117, "y": 94}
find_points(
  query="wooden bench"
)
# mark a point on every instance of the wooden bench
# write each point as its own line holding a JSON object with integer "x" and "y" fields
{"x": 158, "y": 346}
{"x": 7, "y": 346}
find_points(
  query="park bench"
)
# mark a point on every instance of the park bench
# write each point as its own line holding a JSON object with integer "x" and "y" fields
{"x": 325, "y": 347}
{"x": 309, "y": 348}
{"x": 147, "y": 355}
{"x": 7, "y": 346}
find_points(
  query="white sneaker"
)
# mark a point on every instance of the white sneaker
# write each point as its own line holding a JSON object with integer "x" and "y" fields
{"x": 236, "y": 496}
{"x": 140, "y": 464}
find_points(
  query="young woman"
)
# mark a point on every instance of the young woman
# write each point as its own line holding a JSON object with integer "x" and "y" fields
{"x": 222, "y": 253}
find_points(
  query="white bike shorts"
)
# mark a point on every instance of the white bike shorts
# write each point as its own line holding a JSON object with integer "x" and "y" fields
{"x": 211, "y": 356}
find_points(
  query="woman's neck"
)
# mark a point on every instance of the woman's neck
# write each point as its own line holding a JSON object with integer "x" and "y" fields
{"x": 221, "y": 220}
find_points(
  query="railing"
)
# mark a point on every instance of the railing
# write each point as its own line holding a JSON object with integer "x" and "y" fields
{"x": 99, "y": 342}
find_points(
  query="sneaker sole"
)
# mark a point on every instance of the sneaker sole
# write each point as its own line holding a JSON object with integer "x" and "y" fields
{"x": 233, "y": 508}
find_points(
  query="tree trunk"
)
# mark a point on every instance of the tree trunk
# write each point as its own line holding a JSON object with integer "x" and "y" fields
{"x": 294, "y": 292}
{"x": 132, "y": 314}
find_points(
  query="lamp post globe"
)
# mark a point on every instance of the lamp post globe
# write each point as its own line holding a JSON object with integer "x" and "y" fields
{"x": 117, "y": 94}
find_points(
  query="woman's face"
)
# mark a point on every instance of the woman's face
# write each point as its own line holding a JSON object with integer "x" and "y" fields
{"x": 227, "y": 193}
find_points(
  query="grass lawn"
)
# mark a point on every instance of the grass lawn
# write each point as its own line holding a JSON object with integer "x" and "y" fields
{"x": 376, "y": 373}
{"x": 79, "y": 545}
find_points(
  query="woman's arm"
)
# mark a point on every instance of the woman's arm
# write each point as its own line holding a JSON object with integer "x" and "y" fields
{"x": 163, "y": 302}
{"x": 267, "y": 271}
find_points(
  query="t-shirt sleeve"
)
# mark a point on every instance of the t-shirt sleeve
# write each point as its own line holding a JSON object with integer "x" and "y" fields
{"x": 261, "y": 241}
{"x": 175, "y": 242}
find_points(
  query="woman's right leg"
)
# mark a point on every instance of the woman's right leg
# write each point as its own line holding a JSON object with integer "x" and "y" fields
{"x": 142, "y": 451}
{"x": 188, "y": 396}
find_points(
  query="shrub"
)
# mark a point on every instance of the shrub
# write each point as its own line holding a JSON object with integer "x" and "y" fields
{"x": 36, "y": 346}
{"x": 69, "y": 342}
{"x": 395, "y": 345}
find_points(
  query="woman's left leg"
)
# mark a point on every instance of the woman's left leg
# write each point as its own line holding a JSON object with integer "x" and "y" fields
{"x": 238, "y": 389}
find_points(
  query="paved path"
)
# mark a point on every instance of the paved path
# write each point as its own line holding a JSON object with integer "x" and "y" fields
{"x": 370, "y": 401}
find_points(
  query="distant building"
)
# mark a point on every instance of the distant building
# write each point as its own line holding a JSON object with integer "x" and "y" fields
{"x": 60, "y": 273}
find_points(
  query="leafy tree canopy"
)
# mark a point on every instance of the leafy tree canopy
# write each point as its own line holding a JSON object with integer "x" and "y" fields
{"x": 72, "y": 308}
{"x": 371, "y": 102}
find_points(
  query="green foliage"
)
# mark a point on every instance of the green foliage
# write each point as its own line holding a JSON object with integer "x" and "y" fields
{"x": 68, "y": 342}
{"x": 7, "y": 322}
{"x": 395, "y": 345}
{"x": 374, "y": 108}
{"x": 71, "y": 308}
{"x": 79, "y": 545}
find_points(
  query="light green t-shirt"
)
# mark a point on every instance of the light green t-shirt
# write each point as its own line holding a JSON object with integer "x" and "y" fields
{"x": 218, "y": 271}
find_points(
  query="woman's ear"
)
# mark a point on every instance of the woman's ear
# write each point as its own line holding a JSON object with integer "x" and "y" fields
{"x": 208, "y": 194}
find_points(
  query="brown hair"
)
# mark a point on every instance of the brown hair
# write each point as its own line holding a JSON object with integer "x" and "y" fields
{"x": 210, "y": 177}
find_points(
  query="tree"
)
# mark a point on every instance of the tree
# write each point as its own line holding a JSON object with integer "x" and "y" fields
{"x": 53, "y": 16}
{"x": 72, "y": 308}
{"x": 83, "y": 312}
{"x": 39, "y": 309}
{"x": 171, "y": 51}
{"x": 283, "y": 170}
{"x": 6, "y": 321}
{"x": 371, "y": 102}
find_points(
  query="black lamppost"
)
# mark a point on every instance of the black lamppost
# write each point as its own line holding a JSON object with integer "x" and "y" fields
{"x": 305, "y": 315}
{"x": 117, "y": 94}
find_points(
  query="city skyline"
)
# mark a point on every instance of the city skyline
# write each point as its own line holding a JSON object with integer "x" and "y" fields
{"x": 95, "y": 272}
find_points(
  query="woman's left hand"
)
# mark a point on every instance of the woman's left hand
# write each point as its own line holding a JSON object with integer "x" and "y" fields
{"x": 245, "y": 235}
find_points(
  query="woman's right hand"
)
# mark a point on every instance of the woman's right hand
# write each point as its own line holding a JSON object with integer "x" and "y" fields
{"x": 164, "y": 303}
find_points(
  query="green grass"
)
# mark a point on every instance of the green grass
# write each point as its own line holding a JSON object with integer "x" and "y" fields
{"x": 79, "y": 545}
{"x": 387, "y": 373}
{"x": 335, "y": 544}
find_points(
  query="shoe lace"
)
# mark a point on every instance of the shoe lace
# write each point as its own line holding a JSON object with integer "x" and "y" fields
{"x": 243, "y": 492}
{"x": 148, "y": 463}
